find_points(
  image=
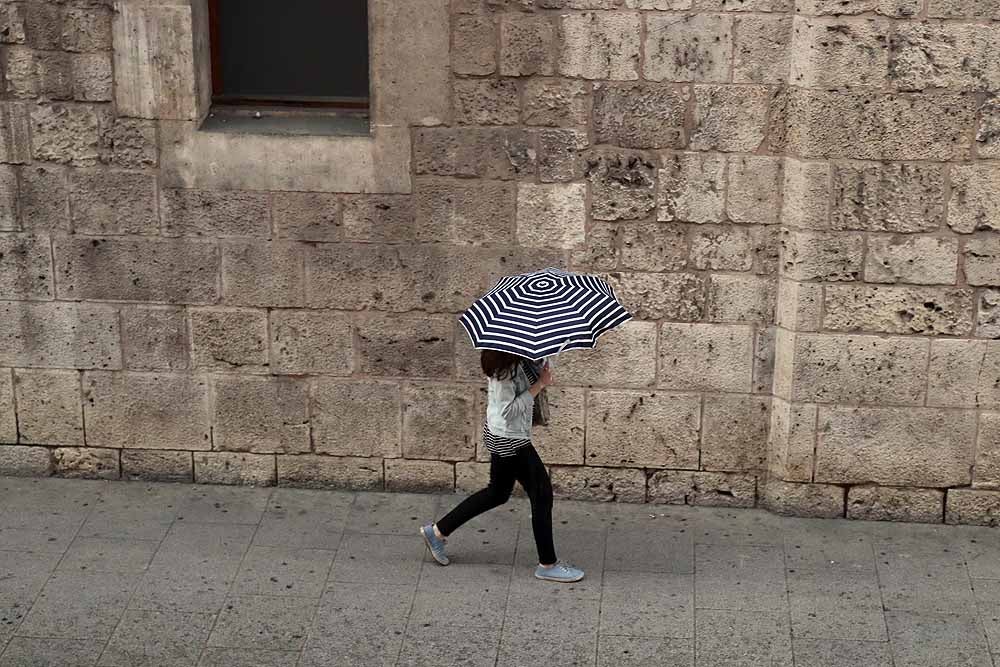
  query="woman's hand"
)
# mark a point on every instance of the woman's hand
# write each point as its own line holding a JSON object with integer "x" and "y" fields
{"x": 545, "y": 379}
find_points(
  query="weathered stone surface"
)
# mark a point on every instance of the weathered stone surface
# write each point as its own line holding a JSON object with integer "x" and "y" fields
{"x": 12, "y": 19}
{"x": 647, "y": 430}
{"x": 59, "y": 335}
{"x": 957, "y": 56}
{"x": 307, "y": 216}
{"x": 9, "y": 205}
{"x": 438, "y": 422}
{"x": 527, "y": 45}
{"x": 859, "y": 369}
{"x": 902, "y": 198}
{"x": 721, "y": 248}
{"x": 262, "y": 415}
{"x": 330, "y": 472}
{"x": 19, "y": 461}
{"x": 639, "y": 115}
{"x": 66, "y": 133}
{"x": 692, "y": 188}
{"x": 600, "y": 252}
{"x": 982, "y": 261}
{"x": 462, "y": 211}
{"x": 799, "y": 305}
{"x": 113, "y": 202}
{"x": 809, "y": 500}
{"x": 15, "y": 133}
{"x": 654, "y": 296}
{"x": 555, "y": 102}
{"x": 146, "y": 411}
{"x": 926, "y": 447}
{"x": 473, "y": 45}
{"x": 882, "y": 503}
{"x": 470, "y": 476}
{"x": 157, "y": 466}
{"x": 215, "y": 213}
{"x": 974, "y": 203}
{"x": 8, "y": 419}
{"x": 754, "y": 194}
{"x": 622, "y": 185}
{"x": 130, "y": 143}
{"x": 895, "y": 8}
{"x": 792, "y": 440}
{"x": 93, "y": 80}
{"x": 927, "y": 260}
{"x": 560, "y": 154}
{"x": 229, "y": 339}
{"x": 972, "y": 506}
{"x": 406, "y": 345}
{"x": 25, "y": 267}
{"x": 890, "y": 309}
{"x": 689, "y": 47}
{"x": 235, "y": 468}
{"x": 734, "y": 433}
{"x": 805, "y": 194}
{"x": 258, "y": 273}
{"x": 562, "y": 440}
{"x": 551, "y": 216}
{"x": 653, "y": 246}
{"x": 30, "y": 74}
{"x": 731, "y": 118}
{"x": 821, "y": 255}
{"x": 839, "y": 52}
{"x": 964, "y": 374}
{"x": 763, "y": 359}
{"x": 419, "y": 476}
{"x": 963, "y": 9}
{"x": 707, "y": 489}
{"x": 379, "y": 218}
{"x": 44, "y": 199}
{"x": 155, "y": 338}
{"x": 311, "y": 341}
{"x": 495, "y": 153}
{"x": 706, "y": 357}
{"x": 43, "y": 25}
{"x": 986, "y": 474}
{"x": 48, "y": 407}
{"x": 136, "y": 269}
{"x": 600, "y": 45}
{"x": 741, "y": 299}
{"x": 86, "y": 463}
{"x": 623, "y": 485}
{"x": 485, "y": 102}
{"x": 988, "y": 319}
{"x": 625, "y": 357}
{"x": 761, "y": 49}
{"x": 356, "y": 418}
{"x": 988, "y": 131}
{"x": 86, "y": 29}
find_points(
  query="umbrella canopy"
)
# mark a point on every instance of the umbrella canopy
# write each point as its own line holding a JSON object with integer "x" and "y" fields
{"x": 538, "y": 314}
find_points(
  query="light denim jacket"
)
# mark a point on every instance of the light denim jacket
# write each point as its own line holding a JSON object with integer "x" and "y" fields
{"x": 509, "y": 406}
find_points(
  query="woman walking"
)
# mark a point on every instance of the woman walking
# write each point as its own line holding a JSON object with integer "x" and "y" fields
{"x": 513, "y": 383}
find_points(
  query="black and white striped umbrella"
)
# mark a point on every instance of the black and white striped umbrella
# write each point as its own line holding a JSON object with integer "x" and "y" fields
{"x": 539, "y": 314}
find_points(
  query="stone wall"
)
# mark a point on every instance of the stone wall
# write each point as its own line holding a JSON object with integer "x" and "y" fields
{"x": 798, "y": 199}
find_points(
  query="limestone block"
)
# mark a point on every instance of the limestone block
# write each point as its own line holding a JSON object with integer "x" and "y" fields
{"x": 731, "y": 118}
{"x": 229, "y": 339}
{"x": 964, "y": 374}
{"x": 692, "y": 188}
{"x": 15, "y": 133}
{"x": 721, "y": 249}
{"x": 639, "y": 115}
{"x": 981, "y": 258}
{"x": 157, "y": 466}
{"x": 356, "y": 418}
{"x": 560, "y": 154}
{"x": 895, "y": 8}
{"x": 146, "y": 411}
{"x": 905, "y": 198}
{"x": 706, "y": 357}
{"x": 261, "y": 273}
{"x": 963, "y": 9}
{"x": 463, "y": 211}
{"x": 891, "y": 309}
{"x": 235, "y": 468}
{"x": 470, "y": 476}
{"x": 485, "y": 102}
{"x": 784, "y": 356}
{"x": 130, "y": 143}
{"x": 419, "y": 476}
{"x": 927, "y": 447}
{"x": 113, "y": 202}
{"x": 623, "y": 485}
{"x": 806, "y": 194}
{"x": 406, "y": 345}
{"x": 330, "y": 472}
{"x": 859, "y": 369}
{"x": 975, "y": 202}
{"x": 988, "y": 132}
{"x": 551, "y": 215}
{"x": 622, "y": 185}
{"x": 18, "y": 461}
{"x": 792, "y": 440}
{"x": 823, "y": 501}
{"x": 654, "y": 296}
{"x": 600, "y": 45}
{"x": 972, "y": 506}
{"x": 840, "y": 52}
{"x": 879, "y": 126}
{"x": 741, "y": 299}
{"x": 706, "y": 489}
{"x": 215, "y": 213}
{"x": 799, "y": 305}
{"x": 734, "y": 433}
{"x": 926, "y": 260}
{"x": 311, "y": 341}
{"x": 625, "y": 357}
{"x": 44, "y": 199}
{"x": 766, "y": 249}
{"x": 379, "y": 218}
{"x": 882, "y": 503}
{"x": 473, "y": 45}
{"x": 957, "y": 56}
{"x": 600, "y": 252}
{"x": 8, "y": 419}
{"x": 688, "y": 47}
{"x": 25, "y": 267}
{"x": 653, "y": 246}
{"x": 86, "y": 29}
{"x": 93, "y": 80}
{"x": 763, "y": 359}
{"x": 137, "y": 269}
{"x": 642, "y": 430}
{"x": 67, "y": 133}
{"x": 821, "y": 255}
{"x": 30, "y": 74}
{"x": 986, "y": 474}
{"x": 59, "y": 335}
{"x": 988, "y": 319}
{"x": 43, "y": 25}
{"x": 307, "y": 216}
{"x": 761, "y": 49}
{"x": 555, "y": 102}
{"x": 48, "y": 407}
{"x": 439, "y": 422}
{"x": 562, "y": 441}
{"x": 494, "y": 153}
{"x": 9, "y": 217}
{"x": 155, "y": 338}
{"x": 754, "y": 194}
{"x": 262, "y": 415}
{"x": 12, "y": 18}
{"x": 527, "y": 45}
{"x": 86, "y": 463}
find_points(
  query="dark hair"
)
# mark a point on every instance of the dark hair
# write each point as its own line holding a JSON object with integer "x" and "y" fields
{"x": 499, "y": 365}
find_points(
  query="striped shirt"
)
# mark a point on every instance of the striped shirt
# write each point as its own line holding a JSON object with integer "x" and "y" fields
{"x": 508, "y": 446}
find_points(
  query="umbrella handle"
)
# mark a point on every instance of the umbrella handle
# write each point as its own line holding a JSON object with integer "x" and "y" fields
{"x": 550, "y": 360}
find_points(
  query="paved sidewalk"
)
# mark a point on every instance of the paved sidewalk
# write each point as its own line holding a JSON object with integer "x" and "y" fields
{"x": 118, "y": 573}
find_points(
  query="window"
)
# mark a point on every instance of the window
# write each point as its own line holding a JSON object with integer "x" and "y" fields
{"x": 294, "y": 53}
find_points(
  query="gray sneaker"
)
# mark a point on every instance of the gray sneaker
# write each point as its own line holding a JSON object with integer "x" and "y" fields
{"x": 561, "y": 572}
{"x": 434, "y": 544}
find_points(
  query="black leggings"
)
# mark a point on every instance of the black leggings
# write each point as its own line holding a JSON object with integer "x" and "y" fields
{"x": 527, "y": 468}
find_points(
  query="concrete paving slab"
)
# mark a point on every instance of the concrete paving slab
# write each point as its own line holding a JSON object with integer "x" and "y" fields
{"x": 836, "y": 605}
{"x": 838, "y": 652}
{"x": 264, "y": 622}
{"x": 160, "y": 639}
{"x": 650, "y": 604}
{"x": 235, "y": 657}
{"x": 94, "y": 554}
{"x": 742, "y": 638}
{"x": 923, "y": 638}
{"x": 303, "y": 518}
{"x": 740, "y": 577}
{"x": 283, "y": 572}
{"x": 79, "y": 606}
{"x": 426, "y": 644}
{"x": 616, "y": 651}
{"x": 49, "y": 652}
{"x": 379, "y": 559}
